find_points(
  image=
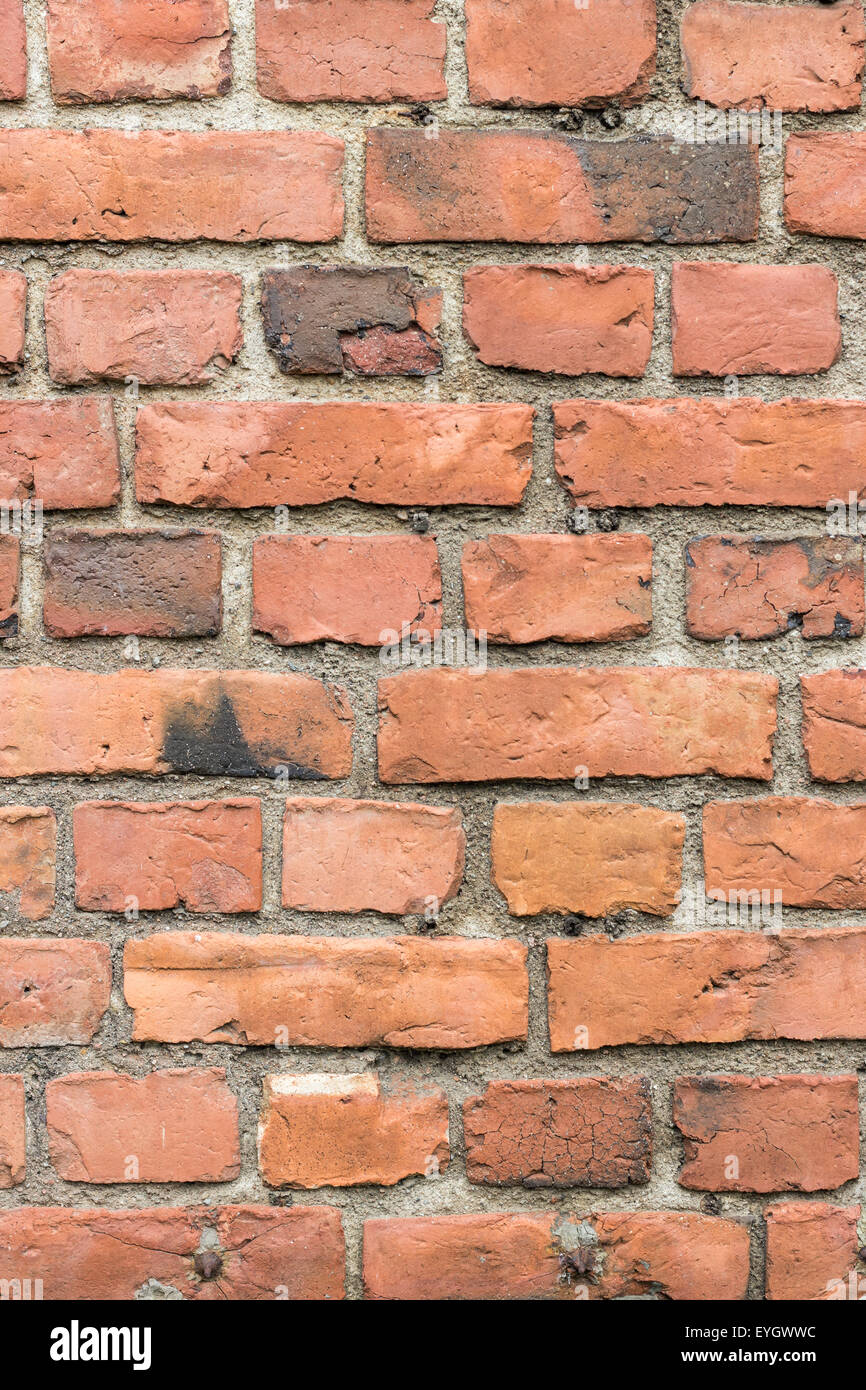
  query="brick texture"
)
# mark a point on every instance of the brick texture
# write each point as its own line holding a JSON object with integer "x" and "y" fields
{"x": 13, "y": 1131}
{"x": 28, "y": 836}
{"x": 13, "y": 305}
{"x": 812, "y": 1251}
{"x": 13, "y": 51}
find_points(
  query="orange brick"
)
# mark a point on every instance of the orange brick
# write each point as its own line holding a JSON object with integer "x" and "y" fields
{"x": 52, "y": 992}
{"x": 10, "y": 560}
{"x": 63, "y": 453}
{"x": 13, "y": 308}
{"x": 834, "y": 725}
{"x": 13, "y": 51}
{"x": 13, "y": 1131}
{"x": 813, "y": 1252}
{"x": 825, "y": 193}
{"x": 28, "y": 842}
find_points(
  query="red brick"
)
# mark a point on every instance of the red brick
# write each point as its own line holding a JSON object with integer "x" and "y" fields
{"x": 560, "y": 318}
{"x": 346, "y": 588}
{"x": 10, "y": 559}
{"x": 63, "y": 452}
{"x": 199, "y": 1253}
{"x": 834, "y": 725}
{"x": 748, "y": 319}
{"x": 807, "y": 853}
{"x": 825, "y": 189}
{"x": 812, "y": 1252}
{"x": 52, "y": 992}
{"x": 13, "y": 1131}
{"x": 755, "y": 588}
{"x": 28, "y": 841}
{"x": 162, "y": 327}
{"x": 515, "y": 1255}
{"x": 786, "y": 57}
{"x": 153, "y": 583}
{"x": 13, "y": 51}
{"x": 268, "y": 453}
{"x": 203, "y": 855}
{"x": 220, "y": 723}
{"x": 13, "y": 307}
{"x": 540, "y": 186}
{"x": 320, "y": 1130}
{"x": 383, "y": 50}
{"x": 315, "y": 991}
{"x": 767, "y": 1133}
{"x": 445, "y": 725}
{"x": 695, "y": 453}
{"x": 707, "y": 987}
{"x": 590, "y": 1132}
{"x": 141, "y": 50}
{"x": 594, "y": 858}
{"x": 592, "y": 588}
{"x": 379, "y": 856}
{"x": 522, "y": 52}
{"x": 169, "y": 1126}
{"x": 114, "y": 185}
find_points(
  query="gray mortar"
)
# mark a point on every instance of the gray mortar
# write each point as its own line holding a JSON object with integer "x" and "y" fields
{"x": 478, "y": 910}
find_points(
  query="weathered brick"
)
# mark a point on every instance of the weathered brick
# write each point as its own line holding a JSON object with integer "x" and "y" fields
{"x": 522, "y": 52}
{"x": 767, "y": 1133}
{"x": 141, "y": 50}
{"x": 13, "y": 309}
{"x": 320, "y": 1130}
{"x": 13, "y": 1131}
{"x": 321, "y": 991}
{"x": 221, "y": 723}
{"x": 115, "y": 185}
{"x": 695, "y": 453}
{"x": 551, "y": 723}
{"x": 153, "y": 583}
{"x": 787, "y": 57}
{"x": 160, "y": 327}
{"x": 825, "y": 189}
{"x": 594, "y": 588}
{"x": 52, "y": 992}
{"x": 361, "y": 319}
{"x": 516, "y": 1255}
{"x": 10, "y": 562}
{"x": 197, "y": 1253}
{"x": 367, "y": 590}
{"x": 63, "y": 453}
{"x": 168, "y": 1126}
{"x": 560, "y": 318}
{"x": 590, "y": 1132}
{"x": 813, "y": 1252}
{"x": 383, "y": 50}
{"x": 379, "y": 856}
{"x": 755, "y": 588}
{"x": 806, "y": 851}
{"x": 540, "y": 186}
{"x": 13, "y": 51}
{"x": 748, "y": 319}
{"x": 707, "y": 987}
{"x": 834, "y": 725}
{"x": 269, "y": 453}
{"x": 593, "y": 858}
{"x": 203, "y": 855}
{"x": 28, "y": 839}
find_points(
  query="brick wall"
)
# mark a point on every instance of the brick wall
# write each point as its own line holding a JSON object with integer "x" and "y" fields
{"x": 340, "y": 953}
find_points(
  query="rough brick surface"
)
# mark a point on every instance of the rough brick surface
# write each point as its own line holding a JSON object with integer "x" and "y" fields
{"x": 754, "y": 588}
{"x": 361, "y": 589}
{"x": 767, "y": 1133}
{"x": 572, "y": 588}
{"x": 381, "y": 50}
{"x": 13, "y": 1131}
{"x": 593, "y": 858}
{"x": 160, "y": 327}
{"x": 813, "y": 1252}
{"x": 247, "y": 454}
{"x": 560, "y": 318}
{"x": 52, "y": 992}
{"x": 539, "y": 186}
{"x": 556, "y": 723}
{"x": 13, "y": 51}
{"x": 63, "y": 452}
{"x": 825, "y": 192}
{"x": 381, "y": 856}
{"x": 522, "y": 52}
{"x": 28, "y": 836}
{"x": 748, "y": 319}
{"x": 170, "y": 1126}
{"x": 327, "y": 991}
{"x": 13, "y": 306}
{"x": 203, "y": 855}
{"x": 787, "y": 57}
{"x": 342, "y": 1130}
{"x": 592, "y": 1132}
{"x": 10, "y": 561}
{"x": 834, "y": 725}
{"x": 138, "y": 51}
{"x": 153, "y": 583}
